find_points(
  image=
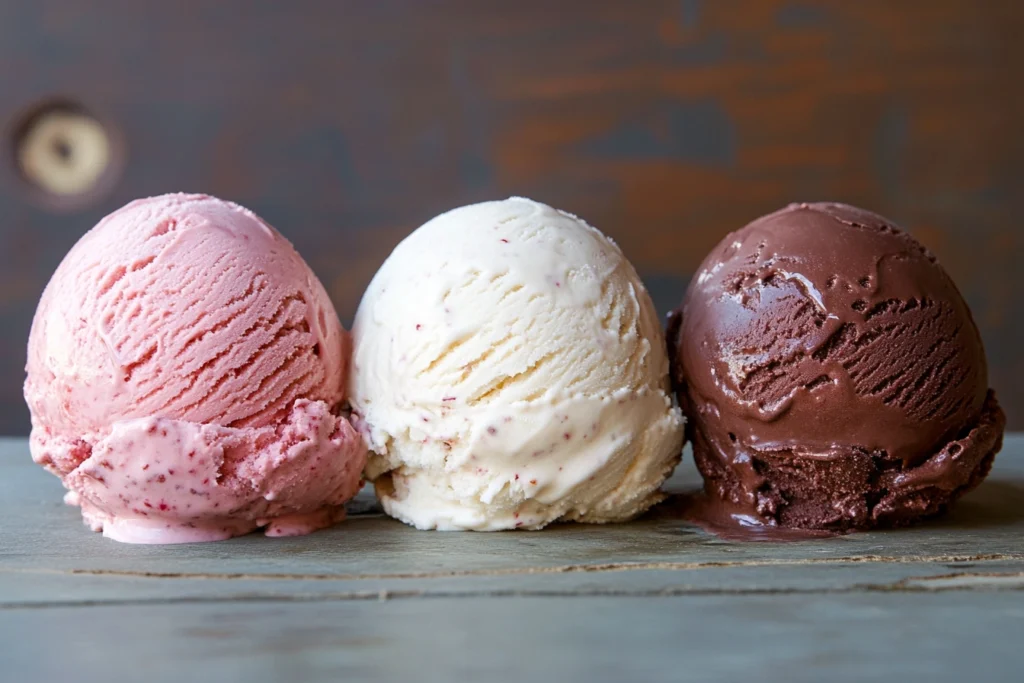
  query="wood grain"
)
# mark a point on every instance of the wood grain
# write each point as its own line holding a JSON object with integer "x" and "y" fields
{"x": 665, "y": 123}
{"x": 656, "y": 599}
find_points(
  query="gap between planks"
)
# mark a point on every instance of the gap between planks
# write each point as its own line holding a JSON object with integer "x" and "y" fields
{"x": 561, "y": 569}
{"x": 925, "y": 584}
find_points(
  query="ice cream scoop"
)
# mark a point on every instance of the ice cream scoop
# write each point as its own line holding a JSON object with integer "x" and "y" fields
{"x": 833, "y": 375}
{"x": 185, "y": 375}
{"x": 510, "y": 371}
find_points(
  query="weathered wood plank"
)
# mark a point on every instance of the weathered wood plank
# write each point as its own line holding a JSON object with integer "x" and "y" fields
{"x": 42, "y": 533}
{"x": 652, "y": 600}
{"x": 24, "y": 589}
{"x": 666, "y": 123}
{"x": 951, "y": 636}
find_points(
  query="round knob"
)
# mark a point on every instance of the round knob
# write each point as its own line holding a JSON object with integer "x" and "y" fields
{"x": 63, "y": 152}
{"x": 67, "y": 156}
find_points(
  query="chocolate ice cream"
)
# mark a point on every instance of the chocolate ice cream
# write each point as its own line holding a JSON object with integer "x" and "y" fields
{"x": 833, "y": 375}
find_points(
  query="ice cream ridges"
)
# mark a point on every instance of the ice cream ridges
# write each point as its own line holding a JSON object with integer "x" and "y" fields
{"x": 185, "y": 374}
{"x": 510, "y": 371}
{"x": 833, "y": 375}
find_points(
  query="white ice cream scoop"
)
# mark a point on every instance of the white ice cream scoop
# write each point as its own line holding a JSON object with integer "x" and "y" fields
{"x": 510, "y": 371}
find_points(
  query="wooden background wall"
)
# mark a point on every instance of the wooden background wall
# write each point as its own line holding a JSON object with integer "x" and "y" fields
{"x": 664, "y": 123}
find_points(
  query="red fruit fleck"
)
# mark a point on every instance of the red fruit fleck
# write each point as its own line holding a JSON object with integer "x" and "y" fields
{"x": 558, "y": 284}
{"x": 146, "y": 503}
{"x": 206, "y": 481}
{"x": 163, "y": 506}
{"x": 492, "y": 431}
{"x": 163, "y": 432}
{"x": 145, "y": 467}
{"x": 504, "y": 240}
{"x": 519, "y": 524}
{"x": 567, "y": 436}
{"x": 191, "y": 454}
{"x": 171, "y": 472}
{"x": 418, "y": 326}
{"x": 533, "y": 482}
{"x": 425, "y": 418}
{"x": 192, "y": 471}
{"x": 151, "y": 429}
{"x": 106, "y": 463}
{"x": 448, "y": 398}
{"x": 161, "y": 478}
{"x": 517, "y": 477}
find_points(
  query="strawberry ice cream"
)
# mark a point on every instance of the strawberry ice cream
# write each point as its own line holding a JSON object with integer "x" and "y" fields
{"x": 186, "y": 370}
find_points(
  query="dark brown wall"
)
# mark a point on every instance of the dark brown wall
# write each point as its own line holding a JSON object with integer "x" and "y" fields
{"x": 666, "y": 124}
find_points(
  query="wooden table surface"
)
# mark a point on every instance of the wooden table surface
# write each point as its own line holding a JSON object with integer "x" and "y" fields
{"x": 654, "y": 600}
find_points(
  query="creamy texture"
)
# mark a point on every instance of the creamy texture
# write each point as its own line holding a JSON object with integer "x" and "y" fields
{"x": 826, "y": 361}
{"x": 822, "y": 325}
{"x": 154, "y": 480}
{"x": 193, "y": 315}
{"x": 509, "y": 372}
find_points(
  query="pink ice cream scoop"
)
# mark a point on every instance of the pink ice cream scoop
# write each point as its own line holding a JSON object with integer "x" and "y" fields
{"x": 185, "y": 375}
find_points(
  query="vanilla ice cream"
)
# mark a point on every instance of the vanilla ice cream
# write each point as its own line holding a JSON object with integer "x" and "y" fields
{"x": 510, "y": 371}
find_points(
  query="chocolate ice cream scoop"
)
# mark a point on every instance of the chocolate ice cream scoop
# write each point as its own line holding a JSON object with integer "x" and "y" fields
{"x": 833, "y": 375}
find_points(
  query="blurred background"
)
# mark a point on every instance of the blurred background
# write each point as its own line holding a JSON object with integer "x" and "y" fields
{"x": 664, "y": 123}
